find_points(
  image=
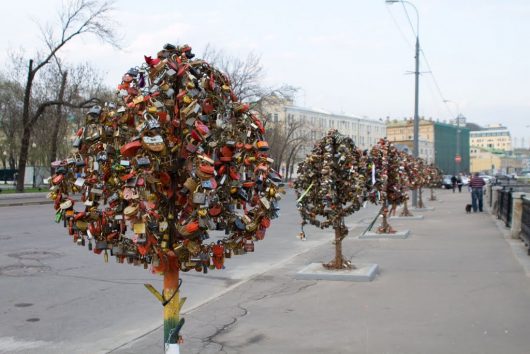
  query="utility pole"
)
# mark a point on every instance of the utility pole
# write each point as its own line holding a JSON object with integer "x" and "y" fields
{"x": 416, "y": 117}
{"x": 415, "y": 141}
{"x": 457, "y": 144}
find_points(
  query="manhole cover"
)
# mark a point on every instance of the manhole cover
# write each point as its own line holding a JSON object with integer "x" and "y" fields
{"x": 4, "y": 237}
{"x": 34, "y": 319}
{"x": 20, "y": 270}
{"x": 23, "y": 304}
{"x": 35, "y": 255}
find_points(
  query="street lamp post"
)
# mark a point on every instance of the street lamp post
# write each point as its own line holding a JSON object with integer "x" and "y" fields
{"x": 416, "y": 144}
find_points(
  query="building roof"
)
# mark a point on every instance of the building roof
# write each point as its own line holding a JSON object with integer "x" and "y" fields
{"x": 334, "y": 115}
{"x": 489, "y": 131}
{"x": 404, "y": 123}
{"x": 473, "y": 126}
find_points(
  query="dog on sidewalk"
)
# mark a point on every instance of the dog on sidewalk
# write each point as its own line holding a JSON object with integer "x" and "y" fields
{"x": 468, "y": 208}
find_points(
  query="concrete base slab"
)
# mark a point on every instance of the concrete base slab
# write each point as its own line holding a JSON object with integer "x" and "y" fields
{"x": 413, "y": 217}
{"x": 362, "y": 272}
{"x": 395, "y": 235}
{"x": 422, "y": 209}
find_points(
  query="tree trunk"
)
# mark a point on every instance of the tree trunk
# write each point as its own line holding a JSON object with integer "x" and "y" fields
{"x": 58, "y": 121}
{"x": 433, "y": 197}
{"x": 392, "y": 211}
{"x": 22, "y": 159}
{"x": 406, "y": 211}
{"x": 385, "y": 227}
{"x": 420, "y": 199}
{"x": 339, "y": 262}
{"x": 338, "y": 249}
{"x": 12, "y": 162}
{"x": 172, "y": 308}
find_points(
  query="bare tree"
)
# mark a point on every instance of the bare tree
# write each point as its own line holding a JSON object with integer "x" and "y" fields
{"x": 76, "y": 18}
{"x": 285, "y": 137}
{"x": 11, "y": 94}
{"x": 246, "y": 76}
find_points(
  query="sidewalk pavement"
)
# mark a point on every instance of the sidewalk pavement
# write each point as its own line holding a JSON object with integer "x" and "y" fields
{"x": 17, "y": 199}
{"x": 454, "y": 286}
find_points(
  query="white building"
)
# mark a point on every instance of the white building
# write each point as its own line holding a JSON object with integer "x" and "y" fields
{"x": 494, "y": 136}
{"x": 315, "y": 123}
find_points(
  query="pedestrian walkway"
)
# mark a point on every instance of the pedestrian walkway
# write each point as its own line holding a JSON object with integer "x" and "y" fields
{"x": 454, "y": 286}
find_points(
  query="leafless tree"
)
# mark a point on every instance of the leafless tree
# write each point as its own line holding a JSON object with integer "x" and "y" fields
{"x": 285, "y": 138}
{"x": 246, "y": 76}
{"x": 76, "y": 18}
{"x": 11, "y": 95}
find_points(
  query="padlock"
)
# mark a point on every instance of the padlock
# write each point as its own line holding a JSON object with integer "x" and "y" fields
{"x": 198, "y": 197}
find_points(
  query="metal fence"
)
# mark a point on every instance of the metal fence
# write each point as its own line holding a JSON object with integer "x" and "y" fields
{"x": 504, "y": 211}
{"x": 525, "y": 223}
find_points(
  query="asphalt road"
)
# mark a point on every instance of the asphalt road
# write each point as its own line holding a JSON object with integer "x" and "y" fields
{"x": 57, "y": 297}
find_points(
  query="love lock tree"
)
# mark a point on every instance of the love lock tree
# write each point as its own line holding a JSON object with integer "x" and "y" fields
{"x": 385, "y": 186}
{"x": 173, "y": 158}
{"x": 410, "y": 180}
{"x": 330, "y": 186}
{"x": 434, "y": 179}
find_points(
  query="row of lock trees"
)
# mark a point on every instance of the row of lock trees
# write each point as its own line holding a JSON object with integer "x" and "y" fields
{"x": 175, "y": 173}
{"x": 337, "y": 178}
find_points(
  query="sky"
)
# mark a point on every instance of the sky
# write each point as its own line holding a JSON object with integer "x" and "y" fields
{"x": 345, "y": 56}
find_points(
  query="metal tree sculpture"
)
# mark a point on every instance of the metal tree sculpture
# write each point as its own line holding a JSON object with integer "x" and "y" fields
{"x": 434, "y": 179}
{"x": 410, "y": 179}
{"x": 174, "y": 157}
{"x": 331, "y": 186}
{"x": 387, "y": 179}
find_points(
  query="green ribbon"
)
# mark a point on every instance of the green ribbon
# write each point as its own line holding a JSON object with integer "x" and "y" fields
{"x": 305, "y": 192}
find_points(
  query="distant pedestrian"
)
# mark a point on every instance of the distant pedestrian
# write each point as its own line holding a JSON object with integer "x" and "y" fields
{"x": 453, "y": 182}
{"x": 476, "y": 183}
{"x": 459, "y": 183}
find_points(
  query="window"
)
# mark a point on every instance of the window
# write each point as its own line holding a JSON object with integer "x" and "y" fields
{"x": 275, "y": 117}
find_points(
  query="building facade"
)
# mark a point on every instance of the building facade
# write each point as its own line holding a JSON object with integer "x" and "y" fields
{"x": 313, "y": 124}
{"x": 444, "y": 141}
{"x": 493, "y": 162}
{"x": 493, "y": 136}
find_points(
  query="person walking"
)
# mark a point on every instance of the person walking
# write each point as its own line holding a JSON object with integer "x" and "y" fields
{"x": 459, "y": 183}
{"x": 476, "y": 183}
{"x": 453, "y": 182}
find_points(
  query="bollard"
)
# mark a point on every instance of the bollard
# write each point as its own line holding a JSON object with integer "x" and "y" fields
{"x": 494, "y": 199}
{"x": 517, "y": 214}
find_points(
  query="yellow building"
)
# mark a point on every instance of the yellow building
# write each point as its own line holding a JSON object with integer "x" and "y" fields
{"x": 487, "y": 161}
{"x": 484, "y": 161}
{"x": 494, "y": 136}
{"x": 437, "y": 142}
{"x": 401, "y": 131}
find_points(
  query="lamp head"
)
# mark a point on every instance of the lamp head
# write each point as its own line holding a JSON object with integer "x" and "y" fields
{"x": 390, "y": 2}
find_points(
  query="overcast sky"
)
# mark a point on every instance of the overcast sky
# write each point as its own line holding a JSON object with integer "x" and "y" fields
{"x": 348, "y": 56}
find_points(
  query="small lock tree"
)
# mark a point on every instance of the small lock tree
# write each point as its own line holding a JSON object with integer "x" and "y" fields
{"x": 434, "y": 179}
{"x": 330, "y": 186}
{"x": 387, "y": 178}
{"x": 174, "y": 158}
{"x": 409, "y": 180}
